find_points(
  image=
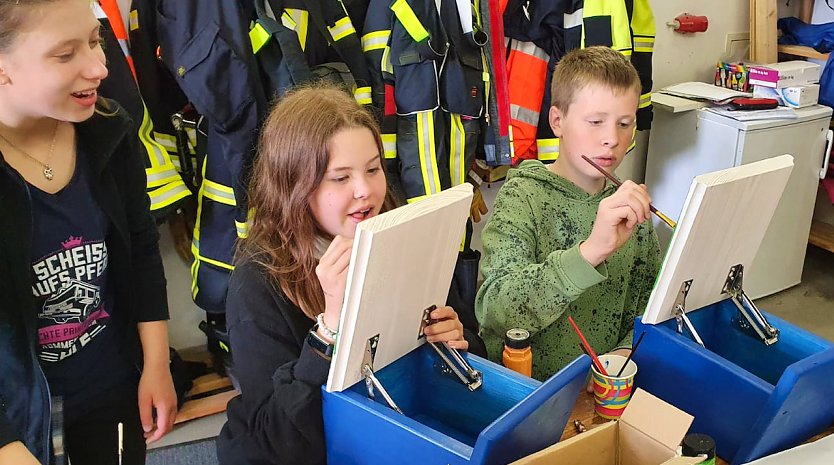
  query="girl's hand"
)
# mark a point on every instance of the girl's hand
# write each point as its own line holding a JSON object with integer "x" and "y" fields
{"x": 447, "y": 328}
{"x": 156, "y": 391}
{"x": 332, "y": 274}
{"x": 616, "y": 218}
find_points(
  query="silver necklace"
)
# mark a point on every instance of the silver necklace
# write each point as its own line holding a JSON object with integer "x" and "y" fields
{"x": 47, "y": 170}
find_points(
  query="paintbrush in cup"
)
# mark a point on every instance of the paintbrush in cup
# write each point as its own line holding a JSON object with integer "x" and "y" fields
{"x": 587, "y": 347}
{"x": 634, "y": 349}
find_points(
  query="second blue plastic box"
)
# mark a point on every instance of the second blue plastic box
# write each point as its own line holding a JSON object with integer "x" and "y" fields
{"x": 753, "y": 399}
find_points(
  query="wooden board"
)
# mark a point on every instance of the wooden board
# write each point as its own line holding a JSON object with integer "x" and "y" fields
{"x": 723, "y": 221}
{"x": 802, "y": 51}
{"x": 208, "y": 383}
{"x": 490, "y": 174}
{"x": 197, "y": 354}
{"x": 806, "y": 10}
{"x": 210, "y": 392}
{"x": 822, "y": 235}
{"x": 753, "y": 31}
{"x": 203, "y": 407}
{"x": 402, "y": 263}
{"x": 763, "y": 37}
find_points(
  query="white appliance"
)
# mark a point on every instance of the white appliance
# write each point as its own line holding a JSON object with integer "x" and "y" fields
{"x": 683, "y": 145}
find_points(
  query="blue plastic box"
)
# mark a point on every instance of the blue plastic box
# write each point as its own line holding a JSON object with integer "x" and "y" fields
{"x": 510, "y": 416}
{"x": 753, "y": 399}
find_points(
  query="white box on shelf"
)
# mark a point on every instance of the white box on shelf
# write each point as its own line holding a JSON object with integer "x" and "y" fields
{"x": 794, "y": 96}
{"x": 785, "y": 74}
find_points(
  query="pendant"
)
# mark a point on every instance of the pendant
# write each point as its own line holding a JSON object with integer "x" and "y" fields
{"x": 47, "y": 173}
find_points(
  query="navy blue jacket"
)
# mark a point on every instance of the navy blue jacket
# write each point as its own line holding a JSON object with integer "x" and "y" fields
{"x": 205, "y": 47}
{"x": 135, "y": 267}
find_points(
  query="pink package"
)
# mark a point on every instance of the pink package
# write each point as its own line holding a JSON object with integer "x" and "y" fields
{"x": 761, "y": 76}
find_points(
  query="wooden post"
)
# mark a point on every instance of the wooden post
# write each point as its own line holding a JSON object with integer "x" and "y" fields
{"x": 806, "y": 8}
{"x": 763, "y": 31}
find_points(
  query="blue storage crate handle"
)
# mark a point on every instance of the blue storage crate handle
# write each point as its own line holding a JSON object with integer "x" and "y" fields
{"x": 519, "y": 431}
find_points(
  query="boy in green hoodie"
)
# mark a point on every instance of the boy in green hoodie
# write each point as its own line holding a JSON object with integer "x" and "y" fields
{"x": 563, "y": 240}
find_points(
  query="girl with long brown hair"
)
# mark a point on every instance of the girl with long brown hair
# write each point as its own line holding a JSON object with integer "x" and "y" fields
{"x": 318, "y": 174}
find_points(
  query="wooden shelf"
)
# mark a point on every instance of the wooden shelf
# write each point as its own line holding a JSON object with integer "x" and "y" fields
{"x": 802, "y": 51}
{"x": 822, "y": 235}
{"x": 208, "y": 383}
{"x": 806, "y": 8}
{"x": 206, "y": 406}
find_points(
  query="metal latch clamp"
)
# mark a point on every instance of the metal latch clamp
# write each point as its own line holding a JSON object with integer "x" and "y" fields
{"x": 679, "y": 310}
{"x": 371, "y": 381}
{"x": 752, "y": 318}
{"x": 454, "y": 361}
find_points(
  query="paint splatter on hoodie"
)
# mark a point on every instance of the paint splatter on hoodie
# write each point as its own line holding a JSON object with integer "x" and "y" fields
{"x": 534, "y": 275}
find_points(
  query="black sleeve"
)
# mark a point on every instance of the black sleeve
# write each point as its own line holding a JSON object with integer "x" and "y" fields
{"x": 280, "y": 377}
{"x": 8, "y": 434}
{"x": 150, "y": 284}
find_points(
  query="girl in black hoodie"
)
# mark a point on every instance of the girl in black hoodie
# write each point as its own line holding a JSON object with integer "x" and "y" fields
{"x": 318, "y": 174}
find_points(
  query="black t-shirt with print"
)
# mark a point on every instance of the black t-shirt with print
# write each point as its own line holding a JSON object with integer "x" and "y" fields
{"x": 78, "y": 352}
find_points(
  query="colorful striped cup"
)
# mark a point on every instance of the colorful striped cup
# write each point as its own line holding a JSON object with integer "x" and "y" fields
{"x": 611, "y": 394}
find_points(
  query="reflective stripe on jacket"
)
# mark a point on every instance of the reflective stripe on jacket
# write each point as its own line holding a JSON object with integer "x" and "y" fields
{"x": 165, "y": 187}
{"x": 526, "y": 72}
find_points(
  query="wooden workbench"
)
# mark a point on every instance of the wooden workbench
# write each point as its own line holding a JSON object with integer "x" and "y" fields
{"x": 584, "y": 412}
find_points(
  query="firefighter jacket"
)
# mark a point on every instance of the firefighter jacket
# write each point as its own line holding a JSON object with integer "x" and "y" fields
{"x": 295, "y": 41}
{"x": 624, "y": 25}
{"x": 157, "y": 85}
{"x": 206, "y": 47}
{"x": 535, "y": 42}
{"x": 430, "y": 81}
{"x": 540, "y": 33}
{"x": 164, "y": 185}
{"x": 496, "y": 136}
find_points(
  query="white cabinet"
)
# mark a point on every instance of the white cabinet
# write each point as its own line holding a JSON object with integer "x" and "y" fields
{"x": 684, "y": 145}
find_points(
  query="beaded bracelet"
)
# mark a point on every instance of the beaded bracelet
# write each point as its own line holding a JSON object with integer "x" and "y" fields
{"x": 325, "y": 331}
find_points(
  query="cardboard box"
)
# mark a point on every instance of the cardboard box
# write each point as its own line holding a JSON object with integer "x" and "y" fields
{"x": 794, "y": 97}
{"x": 785, "y": 74}
{"x": 648, "y": 433}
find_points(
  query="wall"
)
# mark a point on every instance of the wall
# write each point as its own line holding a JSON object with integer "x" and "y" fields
{"x": 822, "y": 13}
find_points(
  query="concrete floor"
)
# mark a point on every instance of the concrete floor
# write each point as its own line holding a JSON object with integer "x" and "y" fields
{"x": 809, "y": 305}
